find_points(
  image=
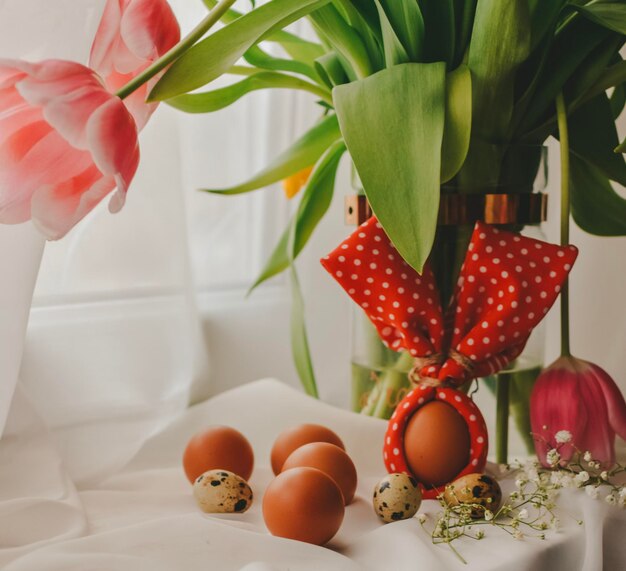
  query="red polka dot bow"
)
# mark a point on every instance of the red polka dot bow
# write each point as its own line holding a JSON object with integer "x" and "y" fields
{"x": 506, "y": 286}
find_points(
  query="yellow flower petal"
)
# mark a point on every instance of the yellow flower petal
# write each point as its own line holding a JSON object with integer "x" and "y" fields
{"x": 293, "y": 184}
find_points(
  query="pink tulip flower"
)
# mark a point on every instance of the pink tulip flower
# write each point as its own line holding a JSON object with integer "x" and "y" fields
{"x": 65, "y": 143}
{"x": 581, "y": 398}
{"x": 132, "y": 35}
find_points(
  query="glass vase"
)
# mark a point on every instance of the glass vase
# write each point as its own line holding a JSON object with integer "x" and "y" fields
{"x": 379, "y": 374}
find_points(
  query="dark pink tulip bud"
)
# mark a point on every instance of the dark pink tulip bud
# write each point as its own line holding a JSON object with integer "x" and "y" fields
{"x": 581, "y": 398}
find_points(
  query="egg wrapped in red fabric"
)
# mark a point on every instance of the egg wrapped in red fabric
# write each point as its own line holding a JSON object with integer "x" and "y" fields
{"x": 436, "y": 434}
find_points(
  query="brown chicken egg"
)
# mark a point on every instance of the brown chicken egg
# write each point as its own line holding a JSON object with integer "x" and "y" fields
{"x": 303, "y": 504}
{"x": 218, "y": 448}
{"x": 436, "y": 444}
{"x": 331, "y": 460}
{"x": 293, "y": 438}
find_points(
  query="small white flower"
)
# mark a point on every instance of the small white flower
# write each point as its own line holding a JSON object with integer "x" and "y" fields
{"x": 523, "y": 514}
{"x": 488, "y": 515}
{"x": 604, "y": 475}
{"x": 520, "y": 482}
{"x": 553, "y": 457}
{"x": 581, "y": 478}
{"x": 517, "y": 534}
{"x": 567, "y": 481}
{"x": 611, "y": 499}
{"x": 622, "y": 492}
{"x": 587, "y": 456}
{"x": 556, "y": 478}
{"x": 480, "y": 534}
{"x": 421, "y": 518}
{"x": 563, "y": 436}
{"x": 592, "y": 491}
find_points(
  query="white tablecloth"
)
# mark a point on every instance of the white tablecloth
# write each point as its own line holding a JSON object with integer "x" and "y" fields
{"x": 144, "y": 517}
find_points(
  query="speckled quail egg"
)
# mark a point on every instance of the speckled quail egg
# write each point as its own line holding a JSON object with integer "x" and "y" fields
{"x": 396, "y": 497}
{"x": 220, "y": 491}
{"x": 479, "y": 489}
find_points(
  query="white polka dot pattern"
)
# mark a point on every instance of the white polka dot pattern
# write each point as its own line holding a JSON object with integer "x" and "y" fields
{"x": 506, "y": 286}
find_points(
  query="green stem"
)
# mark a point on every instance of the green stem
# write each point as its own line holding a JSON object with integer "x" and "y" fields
{"x": 166, "y": 59}
{"x": 561, "y": 113}
{"x": 502, "y": 419}
{"x": 393, "y": 380}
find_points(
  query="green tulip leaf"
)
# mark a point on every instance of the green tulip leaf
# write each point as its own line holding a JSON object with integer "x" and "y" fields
{"x": 439, "y": 23}
{"x": 392, "y": 123}
{"x": 330, "y": 70}
{"x": 394, "y": 50}
{"x": 299, "y": 338}
{"x": 257, "y": 57}
{"x": 315, "y": 201}
{"x": 464, "y": 11}
{"x": 219, "y": 98}
{"x": 500, "y": 43}
{"x": 596, "y": 207}
{"x": 571, "y": 48}
{"x": 305, "y": 152}
{"x": 214, "y": 55}
{"x": 403, "y": 32}
{"x": 618, "y": 100}
{"x": 346, "y": 41}
{"x": 593, "y": 137}
{"x": 607, "y": 13}
{"x": 301, "y": 50}
{"x": 458, "y": 123}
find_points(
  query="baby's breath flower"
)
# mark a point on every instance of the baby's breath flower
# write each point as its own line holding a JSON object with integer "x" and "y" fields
{"x": 421, "y": 517}
{"x": 520, "y": 482}
{"x": 622, "y": 492}
{"x": 517, "y": 534}
{"x": 587, "y": 456}
{"x": 611, "y": 499}
{"x": 555, "y": 477}
{"x": 523, "y": 514}
{"x": 553, "y": 457}
{"x": 581, "y": 478}
{"x": 592, "y": 491}
{"x": 480, "y": 534}
{"x": 604, "y": 475}
{"x": 567, "y": 481}
{"x": 563, "y": 436}
{"x": 488, "y": 515}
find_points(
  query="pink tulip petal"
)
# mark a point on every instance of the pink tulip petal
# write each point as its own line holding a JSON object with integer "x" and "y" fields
{"x": 103, "y": 47}
{"x": 599, "y": 439}
{"x": 57, "y": 208}
{"x": 556, "y": 404}
{"x": 15, "y": 121}
{"x": 46, "y": 86}
{"x": 70, "y": 114}
{"x": 149, "y": 28}
{"x": 65, "y": 144}
{"x": 616, "y": 405}
{"x": 131, "y": 36}
{"x": 112, "y": 137}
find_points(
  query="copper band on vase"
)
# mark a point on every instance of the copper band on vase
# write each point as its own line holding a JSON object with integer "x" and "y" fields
{"x": 460, "y": 209}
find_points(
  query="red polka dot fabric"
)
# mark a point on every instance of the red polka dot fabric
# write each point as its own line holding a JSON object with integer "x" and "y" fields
{"x": 506, "y": 286}
{"x": 393, "y": 451}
